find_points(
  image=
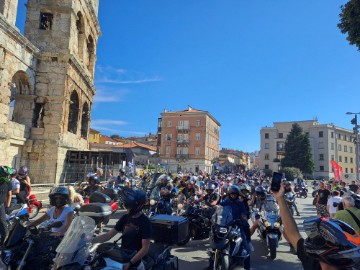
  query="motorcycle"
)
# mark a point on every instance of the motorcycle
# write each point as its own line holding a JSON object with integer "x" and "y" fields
{"x": 316, "y": 187}
{"x": 270, "y": 229}
{"x": 290, "y": 200}
{"x": 30, "y": 248}
{"x": 301, "y": 190}
{"x": 34, "y": 206}
{"x": 225, "y": 240}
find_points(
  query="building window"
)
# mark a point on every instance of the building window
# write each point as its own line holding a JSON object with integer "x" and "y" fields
{"x": 321, "y": 156}
{"x": 185, "y": 150}
{"x": 332, "y": 157}
{"x": 345, "y": 159}
{"x": 168, "y": 150}
{"x": 332, "y": 146}
{"x": 168, "y": 136}
{"x": 321, "y": 168}
{"x": 46, "y": 20}
{"x": 280, "y": 146}
{"x": 340, "y": 158}
{"x": 267, "y": 157}
{"x": 198, "y": 123}
{"x": 339, "y": 136}
{"x": 197, "y": 151}
{"x": 321, "y": 145}
{"x": 197, "y": 136}
{"x": 350, "y": 149}
{"x": 351, "y": 160}
{"x": 352, "y": 170}
{"x": 73, "y": 112}
{"x": 281, "y": 135}
{"x": 266, "y": 135}
{"x": 345, "y": 138}
{"x": 266, "y": 146}
{"x": 339, "y": 147}
{"x": 266, "y": 167}
{"x": 345, "y": 148}
{"x": 332, "y": 135}
{"x": 346, "y": 170}
{"x": 321, "y": 134}
{"x": 168, "y": 123}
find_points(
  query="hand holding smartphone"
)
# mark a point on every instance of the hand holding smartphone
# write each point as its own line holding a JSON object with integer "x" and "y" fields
{"x": 276, "y": 181}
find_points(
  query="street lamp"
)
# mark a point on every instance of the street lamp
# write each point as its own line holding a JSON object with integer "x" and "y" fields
{"x": 356, "y": 141}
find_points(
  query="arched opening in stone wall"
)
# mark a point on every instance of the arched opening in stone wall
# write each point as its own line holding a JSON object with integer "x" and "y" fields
{"x": 80, "y": 26}
{"x": 91, "y": 54}
{"x": 38, "y": 116}
{"x": 20, "y": 85}
{"x": 85, "y": 118}
{"x": 73, "y": 112}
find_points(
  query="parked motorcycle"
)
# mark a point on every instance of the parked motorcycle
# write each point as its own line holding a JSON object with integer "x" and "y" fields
{"x": 270, "y": 229}
{"x": 34, "y": 206}
{"x": 225, "y": 240}
{"x": 290, "y": 200}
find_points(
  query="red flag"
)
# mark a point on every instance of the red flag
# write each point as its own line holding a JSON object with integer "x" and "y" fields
{"x": 337, "y": 169}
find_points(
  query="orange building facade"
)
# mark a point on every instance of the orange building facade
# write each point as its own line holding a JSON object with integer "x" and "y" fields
{"x": 188, "y": 140}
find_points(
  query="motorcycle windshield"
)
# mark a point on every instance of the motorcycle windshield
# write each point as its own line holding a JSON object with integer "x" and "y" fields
{"x": 289, "y": 195}
{"x": 270, "y": 204}
{"x": 74, "y": 247}
{"x": 222, "y": 215}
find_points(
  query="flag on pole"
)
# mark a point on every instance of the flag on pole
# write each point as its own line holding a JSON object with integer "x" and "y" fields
{"x": 337, "y": 169}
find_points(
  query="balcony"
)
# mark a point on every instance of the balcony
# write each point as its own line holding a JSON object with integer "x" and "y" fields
{"x": 276, "y": 160}
{"x": 183, "y": 142}
{"x": 183, "y": 128}
{"x": 182, "y": 156}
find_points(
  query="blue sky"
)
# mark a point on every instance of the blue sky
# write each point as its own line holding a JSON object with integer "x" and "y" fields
{"x": 249, "y": 63}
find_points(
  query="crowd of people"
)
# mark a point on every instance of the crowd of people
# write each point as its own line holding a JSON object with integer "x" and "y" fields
{"x": 333, "y": 236}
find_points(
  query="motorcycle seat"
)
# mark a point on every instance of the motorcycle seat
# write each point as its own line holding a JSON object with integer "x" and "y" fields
{"x": 116, "y": 253}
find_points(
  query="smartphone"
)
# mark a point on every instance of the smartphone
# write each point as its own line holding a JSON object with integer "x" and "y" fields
{"x": 276, "y": 181}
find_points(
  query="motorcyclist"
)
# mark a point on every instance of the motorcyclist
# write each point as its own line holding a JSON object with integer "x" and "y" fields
{"x": 331, "y": 244}
{"x": 15, "y": 183}
{"x": 288, "y": 188}
{"x": 25, "y": 183}
{"x": 94, "y": 185}
{"x": 121, "y": 179}
{"x": 239, "y": 213}
{"x": 60, "y": 211}
{"x": 5, "y": 199}
{"x": 162, "y": 190}
{"x": 189, "y": 190}
{"x": 135, "y": 227}
{"x": 259, "y": 197}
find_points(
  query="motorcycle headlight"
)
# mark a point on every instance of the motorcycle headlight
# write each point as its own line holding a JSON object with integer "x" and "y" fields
{"x": 267, "y": 223}
{"x": 152, "y": 202}
{"x": 277, "y": 224}
{"x": 222, "y": 230}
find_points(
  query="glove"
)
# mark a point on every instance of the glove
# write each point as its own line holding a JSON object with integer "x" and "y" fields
{"x": 7, "y": 210}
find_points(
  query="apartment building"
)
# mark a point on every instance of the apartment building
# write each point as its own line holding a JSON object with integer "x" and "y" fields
{"x": 328, "y": 142}
{"x": 188, "y": 140}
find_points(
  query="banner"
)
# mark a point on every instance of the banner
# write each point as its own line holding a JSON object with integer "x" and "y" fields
{"x": 337, "y": 170}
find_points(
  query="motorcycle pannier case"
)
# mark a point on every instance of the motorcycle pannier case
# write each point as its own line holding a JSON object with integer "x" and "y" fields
{"x": 169, "y": 229}
{"x": 98, "y": 211}
{"x": 113, "y": 194}
{"x": 98, "y": 197}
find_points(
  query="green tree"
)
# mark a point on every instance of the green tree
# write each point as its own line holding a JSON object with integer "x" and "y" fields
{"x": 350, "y": 22}
{"x": 298, "y": 151}
{"x": 115, "y": 136}
{"x": 291, "y": 173}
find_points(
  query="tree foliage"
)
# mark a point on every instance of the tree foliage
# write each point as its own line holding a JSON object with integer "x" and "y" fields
{"x": 298, "y": 151}
{"x": 350, "y": 22}
{"x": 291, "y": 173}
{"x": 115, "y": 136}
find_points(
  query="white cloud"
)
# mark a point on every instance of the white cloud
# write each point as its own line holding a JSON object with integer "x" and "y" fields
{"x": 108, "y": 94}
{"x": 111, "y": 75}
{"x": 105, "y": 122}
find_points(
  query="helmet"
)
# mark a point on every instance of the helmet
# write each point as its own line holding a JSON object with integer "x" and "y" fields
{"x": 64, "y": 194}
{"x": 23, "y": 171}
{"x": 288, "y": 183}
{"x": 190, "y": 182}
{"x": 122, "y": 171}
{"x": 174, "y": 191}
{"x": 5, "y": 171}
{"x": 260, "y": 192}
{"x": 210, "y": 187}
{"x": 134, "y": 199}
{"x": 94, "y": 177}
{"x": 13, "y": 172}
{"x": 233, "y": 189}
{"x": 245, "y": 191}
{"x": 332, "y": 241}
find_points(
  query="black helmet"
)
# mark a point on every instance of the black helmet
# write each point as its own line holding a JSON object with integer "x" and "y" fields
{"x": 260, "y": 192}
{"x": 23, "y": 171}
{"x": 134, "y": 199}
{"x": 5, "y": 171}
{"x": 332, "y": 241}
{"x": 64, "y": 194}
{"x": 94, "y": 177}
{"x": 210, "y": 187}
{"x": 233, "y": 189}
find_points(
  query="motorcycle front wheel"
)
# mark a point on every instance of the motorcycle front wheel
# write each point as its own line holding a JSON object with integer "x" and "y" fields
{"x": 33, "y": 211}
{"x": 221, "y": 261}
{"x": 273, "y": 242}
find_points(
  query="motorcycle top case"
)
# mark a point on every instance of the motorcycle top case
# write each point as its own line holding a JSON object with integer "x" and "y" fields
{"x": 98, "y": 211}
{"x": 98, "y": 197}
{"x": 113, "y": 194}
{"x": 169, "y": 229}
